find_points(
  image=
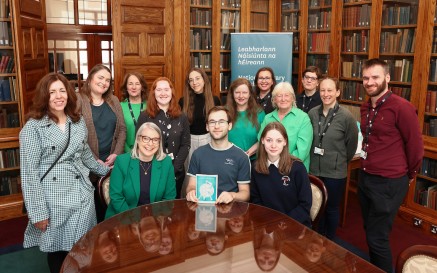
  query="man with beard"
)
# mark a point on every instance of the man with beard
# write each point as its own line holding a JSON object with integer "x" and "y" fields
{"x": 391, "y": 154}
{"x": 223, "y": 158}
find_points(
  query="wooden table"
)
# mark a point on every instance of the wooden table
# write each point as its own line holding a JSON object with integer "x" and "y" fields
{"x": 180, "y": 236}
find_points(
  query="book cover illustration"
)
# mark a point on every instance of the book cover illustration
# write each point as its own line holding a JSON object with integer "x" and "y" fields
{"x": 206, "y": 218}
{"x": 206, "y": 188}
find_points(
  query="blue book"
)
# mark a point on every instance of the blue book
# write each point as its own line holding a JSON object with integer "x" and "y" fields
{"x": 5, "y": 87}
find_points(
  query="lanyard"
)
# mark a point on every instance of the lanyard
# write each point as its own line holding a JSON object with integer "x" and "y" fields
{"x": 372, "y": 120}
{"x": 132, "y": 112}
{"x": 303, "y": 102}
{"x": 322, "y": 134}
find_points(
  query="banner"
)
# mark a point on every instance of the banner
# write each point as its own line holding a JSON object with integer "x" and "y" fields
{"x": 251, "y": 51}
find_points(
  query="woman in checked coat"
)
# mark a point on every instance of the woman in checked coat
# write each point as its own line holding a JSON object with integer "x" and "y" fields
{"x": 60, "y": 205}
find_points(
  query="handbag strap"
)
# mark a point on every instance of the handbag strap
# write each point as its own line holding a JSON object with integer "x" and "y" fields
{"x": 63, "y": 151}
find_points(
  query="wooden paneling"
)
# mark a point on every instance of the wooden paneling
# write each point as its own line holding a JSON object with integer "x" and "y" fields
{"x": 143, "y": 39}
{"x": 31, "y": 40}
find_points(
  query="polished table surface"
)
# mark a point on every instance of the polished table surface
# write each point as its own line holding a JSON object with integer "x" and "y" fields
{"x": 180, "y": 236}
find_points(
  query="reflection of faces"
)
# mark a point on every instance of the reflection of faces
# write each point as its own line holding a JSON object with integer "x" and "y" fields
{"x": 107, "y": 248}
{"x": 193, "y": 234}
{"x": 236, "y": 224}
{"x": 215, "y": 243}
{"x": 315, "y": 250}
{"x": 150, "y": 234}
{"x": 266, "y": 257}
{"x": 166, "y": 243}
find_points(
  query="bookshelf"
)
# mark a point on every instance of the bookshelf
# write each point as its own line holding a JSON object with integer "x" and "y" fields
{"x": 354, "y": 49}
{"x": 259, "y": 16}
{"x": 10, "y": 111}
{"x": 291, "y": 22}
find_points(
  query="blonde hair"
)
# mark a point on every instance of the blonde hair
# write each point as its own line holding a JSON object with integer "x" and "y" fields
{"x": 283, "y": 86}
{"x": 159, "y": 155}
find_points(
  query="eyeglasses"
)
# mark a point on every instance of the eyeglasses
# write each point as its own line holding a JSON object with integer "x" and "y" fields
{"x": 264, "y": 79}
{"x": 310, "y": 78}
{"x": 221, "y": 123}
{"x": 146, "y": 139}
{"x": 195, "y": 79}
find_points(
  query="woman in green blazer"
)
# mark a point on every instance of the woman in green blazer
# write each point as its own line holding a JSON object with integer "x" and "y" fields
{"x": 143, "y": 176}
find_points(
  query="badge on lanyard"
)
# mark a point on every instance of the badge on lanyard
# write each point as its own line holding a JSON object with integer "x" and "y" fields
{"x": 319, "y": 151}
{"x": 363, "y": 154}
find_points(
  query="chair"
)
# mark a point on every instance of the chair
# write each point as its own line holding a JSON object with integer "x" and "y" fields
{"x": 417, "y": 259}
{"x": 320, "y": 197}
{"x": 103, "y": 188}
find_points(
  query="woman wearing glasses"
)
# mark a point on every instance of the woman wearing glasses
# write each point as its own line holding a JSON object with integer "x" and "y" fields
{"x": 296, "y": 122}
{"x": 246, "y": 116}
{"x": 264, "y": 83}
{"x": 163, "y": 110}
{"x": 143, "y": 176}
{"x": 195, "y": 103}
{"x": 310, "y": 98}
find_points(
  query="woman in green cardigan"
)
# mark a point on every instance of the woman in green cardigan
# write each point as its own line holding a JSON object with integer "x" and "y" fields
{"x": 144, "y": 176}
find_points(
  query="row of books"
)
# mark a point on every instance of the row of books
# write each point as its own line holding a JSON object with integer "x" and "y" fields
{"x": 358, "y": 16}
{"x": 400, "y": 70}
{"x": 230, "y": 19}
{"x": 225, "y": 81}
{"x": 290, "y": 4}
{"x": 8, "y": 90}
{"x": 5, "y": 34}
{"x": 231, "y": 3}
{"x": 9, "y": 158}
{"x": 321, "y": 61}
{"x": 225, "y": 41}
{"x": 7, "y": 64}
{"x": 356, "y": 41}
{"x": 352, "y": 69}
{"x": 259, "y": 5}
{"x": 9, "y": 119}
{"x": 225, "y": 61}
{"x": 320, "y": 3}
{"x": 404, "y": 92}
{"x": 5, "y": 11}
{"x": 429, "y": 167}
{"x": 320, "y": 20}
{"x": 201, "y": 2}
{"x": 399, "y": 15}
{"x": 353, "y": 91}
{"x": 290, "y": 21}
{"x": 431, "y": 101}
{"x": 201, "y": 60}
{"x": 259, "y": 21}
{"x": 401, "y": 41}
{"x": 433, "y": 71}
{"x": 425, "y": 194}
{"x": 296, "y": 41}
{"x": 430, "y": 127}
{"x": 354, "y": 1}
{"x": 318, "y": 42}
{"x": 10, "y": 185}
{"x": 434, "y": 42}
{"x": 200, "y": 17}
{"x": 200, "y": 39}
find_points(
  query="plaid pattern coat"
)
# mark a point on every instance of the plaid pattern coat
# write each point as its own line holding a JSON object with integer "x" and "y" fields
{"x": 65, "y": 195}
{"x": 119, "y": 137}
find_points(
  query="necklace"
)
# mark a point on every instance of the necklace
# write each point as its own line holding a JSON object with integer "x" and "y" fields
{"x": 144, "y": 168}
{"x": 132, "y": 112}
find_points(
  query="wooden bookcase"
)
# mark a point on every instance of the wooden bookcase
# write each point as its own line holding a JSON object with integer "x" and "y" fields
{"x": 23, "y": 41}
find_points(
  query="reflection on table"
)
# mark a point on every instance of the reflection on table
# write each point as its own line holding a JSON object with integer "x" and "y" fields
{"x": 180, "y": 236}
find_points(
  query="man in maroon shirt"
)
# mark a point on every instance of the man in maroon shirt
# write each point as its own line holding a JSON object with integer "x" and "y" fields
{"x": 390, "y": 158}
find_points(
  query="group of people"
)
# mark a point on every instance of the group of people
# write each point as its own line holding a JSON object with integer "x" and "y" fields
{"x": 262, "y": 144}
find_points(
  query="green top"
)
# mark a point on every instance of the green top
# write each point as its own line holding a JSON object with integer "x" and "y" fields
{"x": 243, "y": 133}
{"x": 130, "y": 125}
{"x": 299, "y": 131}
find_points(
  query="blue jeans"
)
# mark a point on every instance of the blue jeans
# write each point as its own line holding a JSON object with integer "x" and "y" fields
{"x": 329, "y": 220}
{"x": 380, "y": 199}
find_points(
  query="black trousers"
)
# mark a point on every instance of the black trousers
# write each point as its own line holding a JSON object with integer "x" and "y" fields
{"x": 55, "y": 260}
{"x": 380, "y": 199}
